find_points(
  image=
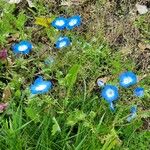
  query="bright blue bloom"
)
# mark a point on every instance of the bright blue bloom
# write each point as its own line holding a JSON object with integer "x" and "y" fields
{"x": 23, "y": 47}
{"x": 59, "y": 23}
{"x": 62, "y": 42}
{"x": 110, "y": 93}
{"x": 100, "y": 83}
{"x": 40, "y": 86}
{"x": 139, "y": 92}
{"x": 127, "y": 79}
{"x": 73, "y": 22}
{"x": 133, "y": 113}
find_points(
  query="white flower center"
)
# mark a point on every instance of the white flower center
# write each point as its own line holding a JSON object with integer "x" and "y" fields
{"x": 59, "y": 22}
{"x": 40, "y": 87}
{"x": 62, "y": 44}
{"x": 127, "y": 80}
{"x": 73, "y": 22}
{"x": 22, "y": 48}
{"x": 110, "y": 93}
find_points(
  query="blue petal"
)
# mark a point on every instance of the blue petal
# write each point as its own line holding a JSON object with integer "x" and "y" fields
{"x": 111, "y": 106}
{"x": 49, "y": 61}
{"x": 125, "y": 76}
{"x": 38, "y": 80}
{"x": 16, "y": 46}
{"x": 61, "y": 26}
{"x": 110, "y": 93}
{"x": 76, "y": 23}
{"x": 62, "y": 42}
{"x": 131, "y": 117}
{"x": 48, "y": 85}
{"x": 139, "y": 92}
{"x": 133, "y": 109}
{"x": 27, "y": 43}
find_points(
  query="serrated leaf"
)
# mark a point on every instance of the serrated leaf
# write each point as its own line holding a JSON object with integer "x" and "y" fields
{"x": 43, "y": 21}
{"x": 21, "y": 20}
{"x": 32, "y": 114}
{"x": 111, "y": 141}
{"x": 145, "y": 114}
{"x": 75, "y": 117}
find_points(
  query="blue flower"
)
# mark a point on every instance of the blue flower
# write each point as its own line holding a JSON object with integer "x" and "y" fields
{"x": 40, "y": 86}
{"x": 62, "y": 42}
{"x": 23, "y": 47}
{"x": 127, "y": 79}
{"x": 139, "y": 91}
{"x": 133, "y": 114}
{"x": 49, "y": 61}
{"x": 73, "y": 22}
{"x": 59, "y": 23}
{"x": 110, "y": 93}
{"x": 100, "y": 83}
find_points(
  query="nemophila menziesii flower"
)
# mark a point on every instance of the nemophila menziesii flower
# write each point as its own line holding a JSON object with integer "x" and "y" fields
{"x": 49, "y": 61}
{"x": 127, "y": 79}
{"x": 133, "y": 114}
{"x": 73, "y": 22}
{"x": 100, "y": 83}
{"x": 23, "y": 47}
{"x": 59, "y": 23}
{"x": 40, "y": 86}
{"x": 110, "y": 93}
{"x": 139, "y": 91}
{"x": 62, "y": 42}
{"x": 3, "y": 54}
{"x": 3, "y": 106}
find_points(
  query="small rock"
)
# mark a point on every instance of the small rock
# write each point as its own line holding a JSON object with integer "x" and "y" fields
{"x": 142, "y": 9}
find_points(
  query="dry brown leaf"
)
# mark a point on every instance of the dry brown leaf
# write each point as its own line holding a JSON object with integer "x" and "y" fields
{"x": 6, "y": 94}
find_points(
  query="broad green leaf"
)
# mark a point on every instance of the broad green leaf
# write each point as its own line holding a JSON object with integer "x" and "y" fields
{"x": 71, "y": 77}
{"x": 56, "y": 127}
{"x": 21, "y": 21}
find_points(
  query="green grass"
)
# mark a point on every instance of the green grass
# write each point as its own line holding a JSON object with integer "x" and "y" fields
{"x": 72, "y": 116}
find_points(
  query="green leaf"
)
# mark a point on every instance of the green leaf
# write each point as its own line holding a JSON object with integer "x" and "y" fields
{"x": 71, "y": 77}
{"x": 75, "y": 117}
{"x": 21, "y": 21}
{"x": 33, "y": 114}
{"x": 56, "y": 127}
{"x": 111, "y": 141}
